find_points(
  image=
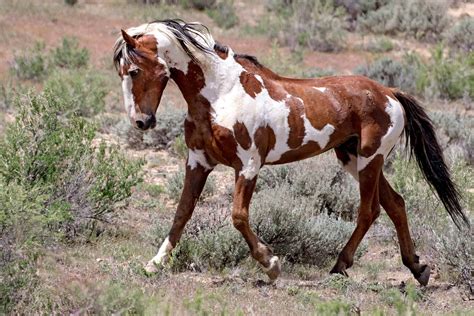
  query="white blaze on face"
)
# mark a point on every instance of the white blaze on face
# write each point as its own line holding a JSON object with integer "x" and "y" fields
{"x": 322, "y": 89}
{"x": 397, "y": 123}
{"x": 128, "y": 98}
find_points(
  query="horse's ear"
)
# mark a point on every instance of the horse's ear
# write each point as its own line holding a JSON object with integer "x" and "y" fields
{"x": 129, "y": 40}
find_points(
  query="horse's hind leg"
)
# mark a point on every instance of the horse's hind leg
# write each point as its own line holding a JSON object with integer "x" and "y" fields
{"x": 369, "y": 210}
{"x": 394, "y": 205}
{"x": 240, "y": 217}
{"x": 194, "y": 180}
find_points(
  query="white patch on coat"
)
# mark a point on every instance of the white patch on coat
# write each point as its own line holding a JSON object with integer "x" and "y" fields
{"x": 322, "y": 89}
{"x": 397, "y": 122}
{"x": 196, "y": 157}
{"x": 231, "y": 104}
{"x": 162, "y": 62}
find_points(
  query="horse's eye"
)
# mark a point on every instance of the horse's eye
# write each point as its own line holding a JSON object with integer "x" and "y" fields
{"x": 133, "y": 72}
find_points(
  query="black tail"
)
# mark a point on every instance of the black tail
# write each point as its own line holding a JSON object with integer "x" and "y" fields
{"x": 421, "y": 137}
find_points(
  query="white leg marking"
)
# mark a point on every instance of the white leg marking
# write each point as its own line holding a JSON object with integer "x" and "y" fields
{"x": 397, "y": 123}
{"x": 196, "y": 157}
{"x": 160, "y": 258}
{"x": 322, "y": 89}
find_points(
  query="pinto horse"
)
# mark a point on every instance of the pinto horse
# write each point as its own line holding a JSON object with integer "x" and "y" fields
{"x": 243, "y": 115}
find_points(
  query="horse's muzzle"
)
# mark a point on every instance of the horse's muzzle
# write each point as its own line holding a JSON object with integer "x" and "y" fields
{"x": 145, "y": 121}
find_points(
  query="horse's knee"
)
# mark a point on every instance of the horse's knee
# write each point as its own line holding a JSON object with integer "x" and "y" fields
{"x": 239, "y": 221}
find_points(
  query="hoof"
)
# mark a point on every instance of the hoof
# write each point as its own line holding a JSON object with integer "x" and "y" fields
{"x": 424, "y": 276}
{"x": 341, "y": 272}
{"x": 151, "y": 268}
{"x": 274, "y": 269}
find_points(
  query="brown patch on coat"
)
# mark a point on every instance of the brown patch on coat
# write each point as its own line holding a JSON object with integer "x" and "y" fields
{"x": 265, "y": 141}
{"x": 242, "y": 135}
{"x": 250, "y": 83}
{"x": 276, "y": 91}
{"x": 296, "y": 123}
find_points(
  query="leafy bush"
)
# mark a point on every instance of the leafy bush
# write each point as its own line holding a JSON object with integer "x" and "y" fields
{"x": 447, "y": 77}
{"x": 70, "y": 2}
{"x": 31, "y": 65}
{"x": 78, "y": 92}
{"x": 461, "y": 35}
{"x": 69, "y": 54}
{"x": 54, "y": 186}
{"x": 289, "y": 211}
{"x": 179, "y": 147}
{"x": 38, "y": 63}
{"x": 223, "y": 13}
{"x": 390, "y": 73}
{"x": 379, "y": 45}
{"x": 440, "y": 77}
{"x": 454, "y": 129}
{"x": 390, "y": 17}
{"x": 54, "y": 155}
{"x": 317, "y": 25}
{"x": 292, "y": 65}
{"x": 198, "y": 4}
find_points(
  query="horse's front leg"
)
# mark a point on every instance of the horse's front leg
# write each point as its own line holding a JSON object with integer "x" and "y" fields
{"x": 195, "y": 178}
{"x": 240, "y": 217}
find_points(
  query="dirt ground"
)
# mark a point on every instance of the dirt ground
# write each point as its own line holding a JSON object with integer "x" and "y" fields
{"x": 378, "y": 282}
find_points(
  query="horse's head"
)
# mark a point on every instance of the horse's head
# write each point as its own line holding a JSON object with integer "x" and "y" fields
{"x": 144, "y": 77}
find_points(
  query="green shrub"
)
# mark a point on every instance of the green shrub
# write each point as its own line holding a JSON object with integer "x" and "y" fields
{"x": 441, "y": 77}
{"x": 391, "y": 73}
{"x": 54, "y": 186}
{"x": 292, "y": 64}
{"x": 461, "y": 35}
{"x": 198, "y": 4}
{"x": 77, "y": 92}
{"x": 391, "y": 17}
{"x": 223, "y": 13}
{"x": 31, "y": 65}
{"x": 70, "y": 2}
{"x": 447, "y": 77}
{"x": 179, "y": 147}
{"x": 38, "y": 63}
{"x": 53, "y": 154}
{"x": 69, "y": 54}
{"x": 379, "y": 45}
{"x": 288, "y": 211}
{"x": 317, "y": 25}
{"x": 454, "y": 129}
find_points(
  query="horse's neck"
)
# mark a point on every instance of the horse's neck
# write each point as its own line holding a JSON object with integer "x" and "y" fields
{"x": 202, "y": 84}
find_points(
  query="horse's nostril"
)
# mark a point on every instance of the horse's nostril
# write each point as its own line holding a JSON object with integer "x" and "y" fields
{"x": 140, "y": 124}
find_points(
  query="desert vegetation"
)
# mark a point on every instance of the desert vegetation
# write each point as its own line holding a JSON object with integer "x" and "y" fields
{"x": 85, "y": 199}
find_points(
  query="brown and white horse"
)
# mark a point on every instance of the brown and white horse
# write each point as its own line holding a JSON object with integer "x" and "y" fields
{"x": 243, "y": 115}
